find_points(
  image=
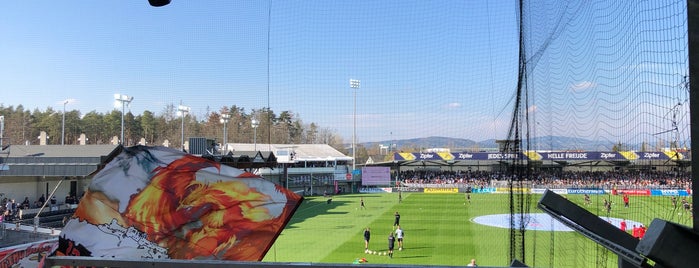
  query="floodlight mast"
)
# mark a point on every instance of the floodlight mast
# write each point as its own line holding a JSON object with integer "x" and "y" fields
{"x": 2, "y": 128}
{"x": 255, "y": 123}
{"x": 224, "y": 119}
{"x": 183, "y": 111}
{"x": 63, "y": 123}
{"x": 123, "y": 100}
{"x": 354, "y": 84}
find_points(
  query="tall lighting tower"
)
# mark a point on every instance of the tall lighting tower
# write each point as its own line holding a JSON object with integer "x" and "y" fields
{"x": 255, "y": 123}
{"x": 354, "y": 84}
{"x": 183, "y": 111}
{"x": 63, "y": 123}
{"x": 224, "y": 119}
{"x": 123, "y": 100}
{"x": 2, "y": 128}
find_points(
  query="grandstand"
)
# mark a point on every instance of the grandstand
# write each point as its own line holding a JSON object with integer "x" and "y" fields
{"x": 617, "y": 72}
{"x": 309, "y": 168}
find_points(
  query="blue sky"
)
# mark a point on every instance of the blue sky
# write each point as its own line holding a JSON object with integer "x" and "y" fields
{"x": 427, "y": 68}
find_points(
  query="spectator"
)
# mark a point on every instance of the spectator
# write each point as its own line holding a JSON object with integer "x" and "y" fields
{"x": 70, "y": 199}
{"x": 10, "y": 208}
{"x": 25, "y": 203}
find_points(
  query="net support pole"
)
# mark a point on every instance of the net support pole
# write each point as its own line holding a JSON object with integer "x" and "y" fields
{"x": 693, "y": 50}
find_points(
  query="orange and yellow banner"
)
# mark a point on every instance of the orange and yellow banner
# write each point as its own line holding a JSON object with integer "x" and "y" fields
{"x": 441, "y": 190}
{"x": 160, "y": 203}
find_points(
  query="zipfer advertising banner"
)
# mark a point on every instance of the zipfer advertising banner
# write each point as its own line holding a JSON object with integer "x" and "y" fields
{"x": 538, "y": 156}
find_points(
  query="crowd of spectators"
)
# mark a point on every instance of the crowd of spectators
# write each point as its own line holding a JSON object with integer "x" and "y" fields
{"x": 12, "y": 210}
{"x": 630, "y": 179}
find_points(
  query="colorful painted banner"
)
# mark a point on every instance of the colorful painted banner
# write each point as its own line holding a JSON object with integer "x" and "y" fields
{"x": 160, "y": 203}
{"x": 27, "y": 255}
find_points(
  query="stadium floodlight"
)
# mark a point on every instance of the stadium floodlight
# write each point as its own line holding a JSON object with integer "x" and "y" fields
{"x": 224, "y": 119}
{"x": 183, "y": 111}
{"x": 2, "y": 128}
{"x": 255, "y": 123}
{"x": 122, "y": 100}
{"x": 63, "y": 123}
{"x": 354, "y": 84}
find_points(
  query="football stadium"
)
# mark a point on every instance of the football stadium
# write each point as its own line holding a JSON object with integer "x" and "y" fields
{"x": 530, "y": 133}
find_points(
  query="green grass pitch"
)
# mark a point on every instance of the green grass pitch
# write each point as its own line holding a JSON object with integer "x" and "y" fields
{"x": 439, "y": 231}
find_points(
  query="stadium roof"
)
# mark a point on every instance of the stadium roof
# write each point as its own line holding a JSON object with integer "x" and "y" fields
{"x": 303, "y": 152}
{"x": 53, "y": 160}
{"x": 59, "y": 150}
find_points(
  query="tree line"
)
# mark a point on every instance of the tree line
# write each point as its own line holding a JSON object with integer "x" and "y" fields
{"x": 23, "y": 127}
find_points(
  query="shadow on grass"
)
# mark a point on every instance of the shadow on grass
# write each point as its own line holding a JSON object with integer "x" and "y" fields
{"x": 416, "y": 248}
{"x": 314, "y": 206}
{"x": 408, "y": 257}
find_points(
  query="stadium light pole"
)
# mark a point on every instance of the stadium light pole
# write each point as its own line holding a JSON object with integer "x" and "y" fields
{"x": 63, "y": 123}
{"x": 2, "y": 129}
{"x": 122, "y": 100}
{"x": 224, "y": 119}
{"x": 183, "y": 111}
{"x": 354, "y": 84}
{"x": 255, "y": 123}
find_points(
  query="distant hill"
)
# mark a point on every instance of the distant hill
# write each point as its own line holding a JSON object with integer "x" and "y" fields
{"x": 553, "y": 143}
{"x": 455, "y": 144}
{"x": 559, "y": 143}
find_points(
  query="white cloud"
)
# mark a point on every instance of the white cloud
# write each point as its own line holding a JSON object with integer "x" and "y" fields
{"x": 453, "y": 105}
{"x": 582, "y": 86}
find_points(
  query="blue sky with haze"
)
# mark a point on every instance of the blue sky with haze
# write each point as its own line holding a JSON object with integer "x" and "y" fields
{"x": 427, "y": 68}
